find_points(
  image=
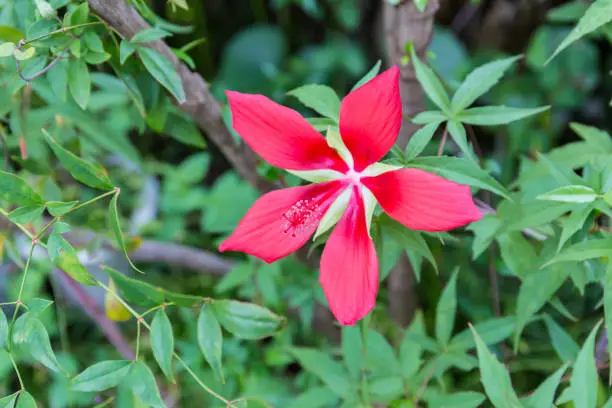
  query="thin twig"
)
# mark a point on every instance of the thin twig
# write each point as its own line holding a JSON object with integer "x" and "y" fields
{"x": 474, "y": 140}
{"x": 42, "y": 71}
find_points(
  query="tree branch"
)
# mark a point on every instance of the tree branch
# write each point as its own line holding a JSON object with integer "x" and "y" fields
{"x": 405, "y": 24}
{"x": 200, "y": 103}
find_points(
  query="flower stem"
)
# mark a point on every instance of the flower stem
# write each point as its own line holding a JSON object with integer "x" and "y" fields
{"x": 17, "y": 372}
{"x": 61, "y": 30}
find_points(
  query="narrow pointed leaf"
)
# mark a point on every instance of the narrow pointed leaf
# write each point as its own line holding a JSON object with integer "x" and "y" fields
{"x": 102, "y": 376}
{"x": 4, "y": 330}
{"x": 9, "y": 401}
{"x": 116, "y": 227}
{"x": 143, "y": 385}
{"x": 79, "y": 81}
{"x": 459, "y": 136}
{"x": 327, "y": 370}
{"x": 544, "y": 395}
{"x": 571, "y": 194}
{"x": 427, "y": 117}
{"x": 582, "y": 251}
{"x": 479, "y": 81}
{"x": 162, "y": 342}
{"x": 419, "y": 141}
{"x": 210, "y": 339}
{"x": 31, "y": 337}
{"x": 247, "y": 320}
{"x": 163, "y": 71}
{"x": 59, "y": 208}
{"x": 26, "y": 400}
{"x": 320, "y": 98}
{"x": 564, "y": 345}
{"x": 64, "y": 256}
{"x": 352, "y": 349}
{"x": 585, "y": 379}
{"x": 497, "y": 115}
{"x": 24, "y": 215}
{"x": 431, "y": 83}
{"x": 16, "y": 191}
{"x": 368, "y": 76}
{"x": 445, "y": 311}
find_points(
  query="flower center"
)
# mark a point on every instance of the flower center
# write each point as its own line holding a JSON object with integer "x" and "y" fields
{"x": 353, "y": 176}
{"x": 301, "y": 215}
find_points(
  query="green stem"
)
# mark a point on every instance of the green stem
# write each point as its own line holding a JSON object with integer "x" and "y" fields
{"x": 93, "y": 200}
{"x": 365, "y": 391}
{"x": 46, "y": 227}
{"x": 17, "y": 371}
{"x": 21, "y": 227}
{"x": 138, "y": 339}
{"x": 23, "y": 280}
{"x": 163, "y": 305}
{"x": 174, "y": 353}
{"x": 59, "y": 31}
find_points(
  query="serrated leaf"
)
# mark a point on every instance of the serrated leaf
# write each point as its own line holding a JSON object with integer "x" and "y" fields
{"x": 544, "y": 395}
{"x": 571, "y": 194}
{"x": 16, "y": 191}
{"x": 368, "y": 76}
{"x": 585, "y": 379}
{"x": 162, "y": 342}
{"x": 445, "y": 311}
{"x": 31, "y": 337}
{"x": 420, "y": 139}
{"x": 497, "y": 115}
{"x": 537, "y": 288}
{"x": 479, "y": 81}
{"x": 81, "y": 170}
{"x": 149, "y": 34}
{"x": 460, "y": 171}
{"x": 60, "y": 208}
{"x": 247, "y": 320}
{"x": 598, "y": 14}
{"x": 494, "y": 377}
{"x": 458, "y": 134}
{"x": 101, "y": 376}
{"x": 4, "y": 330}
{"x": 115, "y": 225}
{"x": 143, "y": 385}
{"x": 210, "y": 339}
{"x": 330, "y": 372}
{"x": 79, "y": 82}
{"x": 163, "y": 71}
{"x": 582, "y": 251}
{"x": 24, "y": 215}
{"x": 430, "y": 83}
{"x": 565, "y": 347}
{"x": 320, "y": 98}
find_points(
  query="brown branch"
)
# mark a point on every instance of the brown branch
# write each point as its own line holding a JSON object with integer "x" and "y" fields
{"x": 200, "y": 103}
{"x": 405, "y": 24}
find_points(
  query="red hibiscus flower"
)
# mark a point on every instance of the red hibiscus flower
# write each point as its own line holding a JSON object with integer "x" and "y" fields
{"x": 348, "y": 182}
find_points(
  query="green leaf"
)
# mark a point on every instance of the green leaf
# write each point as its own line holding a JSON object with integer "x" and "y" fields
{"x": 149, "y": 34}
{"x": 460, "y": 171}
{"x": 6, "y": 49}
{"x": 427, "y": 117}
{"x": 585, "y": 379}
{"x": 571, "y": 194}
{"x": 126, "y": 49}
{"x": 564, "y": 345}
{"x": 64, "y": 256}
{"x": 410, "y": 351}
{"x": 598, "y": 14}
{"x": 315, "y": 397}
{"x": 420, "y": 140}
{"x": 380, "y": 357}
{"x": 162, "y": 342}
{"x": 24, "y": 215}
{"x": 58, "y": 79}
{"x": 79, "y": 14}
{"x": 36, "y": 306}
{"x": 180, "y": 127}
{"x": 9, "y": 401}
{"x": 352, "y": 349}
{"x": 573, "y": 223}
{"x": 210, "y": 339}
{"x": 368, "y": 76}
{"x": 26, "y": 400}
{"x": 321, "y": 124}
{"x": 16, "y": 191}
{"x": 79, "y": 82}
{"x": 593, "y": 136}
{"x": 4, "y": 330}
{"x": 544, "y": 395}
{"x": 247, "y": 320}
{"x": 329, "y": 371}
{"x": 497, "y": 115}
{"x": 445, "y": 311}
{"x": 582, "y": 251}
{"x": 238, "y": 275}
{"x": 479, "y": 81}
{"x": 31, "y": 337}
{"x": 494, "y": 377}
{"x": 430, "y": 83}
{"x": 537, "y": 289}
{"x": 492, "y": 331}
{"x": 163, "y": 71}
{"x": 320, "y": 98}
{"x": 420, "y": 4}
{"x": 143, "y": 385}
{"x": 407, "y": 238}
{"x": 60, "y": 208}
{"x": 102, "y": 376}
{"x": 93, "y": 42}
{"x": 134, "y": 290}
{"x": 467, "y": 399}
{"x": 81, "y": 170}
{"x": 513, "y": 243}
{"x": 607, "y": 303}
{"x": 116, "y": 228}
{"x": 457, "y": 132}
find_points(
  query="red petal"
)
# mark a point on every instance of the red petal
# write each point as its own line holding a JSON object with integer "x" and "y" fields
{"x": 371, "y": 117}
{"x": 280, "y": 222}
{"x": 423, "y": 201}
{"x": 349, "y": 267}
{"x": 280, "y": 135}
